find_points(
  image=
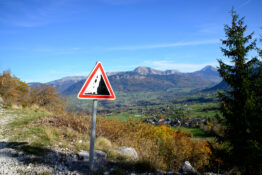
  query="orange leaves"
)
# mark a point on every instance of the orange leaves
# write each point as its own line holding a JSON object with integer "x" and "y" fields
{"x": 163, "y": 147}
{"x": 15, "y": 91}
{"x": 12, "y": 89}
{"x": 47, "y": 97}
{"x": 201, "y": 154}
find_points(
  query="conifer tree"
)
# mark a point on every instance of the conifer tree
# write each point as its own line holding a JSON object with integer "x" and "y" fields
{"x": 241, "y": 105}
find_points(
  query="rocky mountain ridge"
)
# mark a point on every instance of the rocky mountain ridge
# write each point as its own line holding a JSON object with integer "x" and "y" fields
{"x": 143, "y": 79}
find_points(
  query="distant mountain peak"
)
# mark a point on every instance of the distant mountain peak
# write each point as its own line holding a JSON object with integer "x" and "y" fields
{"x": 142, "y": 68}
{"x": 208, "y": 68}
{"x": 210, "y": 73}
{"x": 147, "y": 70}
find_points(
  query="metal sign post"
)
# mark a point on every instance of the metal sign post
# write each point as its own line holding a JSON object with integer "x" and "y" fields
{"x": 96, "y": 86}
{"x": 93, "y": 133}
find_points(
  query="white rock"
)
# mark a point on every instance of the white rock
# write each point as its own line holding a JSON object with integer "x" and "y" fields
{"x": 128, "y": 151}
{"x": 188, "y": 168}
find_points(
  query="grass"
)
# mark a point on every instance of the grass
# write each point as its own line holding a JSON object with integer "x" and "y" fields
{"x": 208, "y": 109}
{"x": 125, "y": 116}
{"x": 28, "y": 115}
{"x": 196, "y": 132}
{"x": 23, "y": 134}
{"x": 29, "y": 129}
{"x": 21, "y": 129}
{"x": 190, "y": 110}
{"x": 179, "y": 90}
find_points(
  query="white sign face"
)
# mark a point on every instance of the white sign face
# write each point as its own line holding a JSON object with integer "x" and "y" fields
{"x": 97, "y": 85}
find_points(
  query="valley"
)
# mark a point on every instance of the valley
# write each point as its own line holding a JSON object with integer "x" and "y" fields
{"x": 148, "y": 92}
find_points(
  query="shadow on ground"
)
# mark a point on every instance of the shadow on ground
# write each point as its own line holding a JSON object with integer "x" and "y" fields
{"x": 27, "y": 154}
{"x": 61, "y": 162}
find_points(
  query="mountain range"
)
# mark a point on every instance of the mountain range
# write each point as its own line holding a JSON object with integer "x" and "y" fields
{"x": 143, "y": 79}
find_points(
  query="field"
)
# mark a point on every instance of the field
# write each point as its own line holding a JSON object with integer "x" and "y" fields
{"x": 196, "y": 132}
{"x": 151, "y": 104}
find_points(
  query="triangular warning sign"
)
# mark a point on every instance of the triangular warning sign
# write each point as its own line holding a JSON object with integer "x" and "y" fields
{"x": 97, "y": 85}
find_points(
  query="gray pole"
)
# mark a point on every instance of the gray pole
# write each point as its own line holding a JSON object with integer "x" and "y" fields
{"x": 93, "y": 133}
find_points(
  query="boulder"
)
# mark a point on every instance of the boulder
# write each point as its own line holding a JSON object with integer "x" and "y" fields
{"x": 187, "y": 168}
{"x": 128, "y": 152}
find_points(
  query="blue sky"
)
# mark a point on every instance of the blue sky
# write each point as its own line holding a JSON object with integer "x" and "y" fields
{"x": 47, "y": 40}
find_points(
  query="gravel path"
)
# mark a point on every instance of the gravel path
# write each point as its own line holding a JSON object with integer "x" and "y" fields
{"x": 14, "y": 162}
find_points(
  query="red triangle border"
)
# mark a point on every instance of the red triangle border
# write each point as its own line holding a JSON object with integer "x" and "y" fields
{"x": 81, "y": 94}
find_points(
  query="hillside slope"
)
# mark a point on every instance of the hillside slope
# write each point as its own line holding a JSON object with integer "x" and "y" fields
{"x": 220, "y": 86}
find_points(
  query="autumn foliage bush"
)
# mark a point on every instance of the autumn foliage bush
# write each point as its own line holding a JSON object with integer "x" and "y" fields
{"x": 16, "y": 92}
{"x": 47, "y": 97}
{"x": 13, "y": 90}
{"x": 163, "y": 147}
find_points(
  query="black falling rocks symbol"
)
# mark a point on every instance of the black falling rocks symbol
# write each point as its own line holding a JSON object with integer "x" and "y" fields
{"x": 102, "y": 89}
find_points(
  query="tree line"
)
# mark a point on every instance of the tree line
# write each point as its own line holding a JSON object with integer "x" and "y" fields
{"x": 13, "y": 91}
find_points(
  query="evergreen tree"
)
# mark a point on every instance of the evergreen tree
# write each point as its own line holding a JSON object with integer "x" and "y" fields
{"x": 241, "y": 105}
